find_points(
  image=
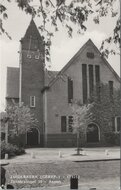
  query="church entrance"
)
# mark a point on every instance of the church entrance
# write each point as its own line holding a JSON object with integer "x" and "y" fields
{"x": 33, "y": 137}
{"x": 92, "y": 133}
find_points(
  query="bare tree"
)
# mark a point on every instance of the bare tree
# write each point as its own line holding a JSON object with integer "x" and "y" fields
{"x": 81, "y": 117}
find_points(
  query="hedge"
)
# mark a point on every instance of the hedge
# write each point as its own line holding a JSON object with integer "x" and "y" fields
{"x": 11, "y": 150}
{"x": 112, "y": 138}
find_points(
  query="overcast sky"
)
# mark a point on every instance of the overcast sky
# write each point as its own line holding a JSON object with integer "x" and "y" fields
{"x": 62, "y": 50}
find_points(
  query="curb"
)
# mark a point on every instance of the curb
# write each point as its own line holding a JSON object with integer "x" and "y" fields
{"x": 4, "y": 164}
{"x": 99, "y": 160}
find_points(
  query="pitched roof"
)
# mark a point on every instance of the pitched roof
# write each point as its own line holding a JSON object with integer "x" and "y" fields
{"x": 12, "y": 90}
{"x": 76, "y": 56}
{"x": 51, "y": 75}
{"x": 32, "y": 31}
{"x": 13, "y": 81}
{"x": 48, "y": 76}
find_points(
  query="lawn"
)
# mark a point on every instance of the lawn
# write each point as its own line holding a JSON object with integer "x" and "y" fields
{"x": 58, "y": 173}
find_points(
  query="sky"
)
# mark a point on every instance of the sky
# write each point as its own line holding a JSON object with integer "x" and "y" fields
{"x": 62, "y": 50}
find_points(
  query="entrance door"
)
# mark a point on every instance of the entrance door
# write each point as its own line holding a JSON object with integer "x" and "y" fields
{"x": 32, "y": 137}
{"x": 92, "y": 133}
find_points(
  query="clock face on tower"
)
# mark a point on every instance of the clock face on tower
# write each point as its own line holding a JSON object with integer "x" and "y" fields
{"x": 35, "y": 55}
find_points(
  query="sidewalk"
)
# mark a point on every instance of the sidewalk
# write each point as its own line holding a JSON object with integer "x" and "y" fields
{"x": 46, "y": 155}
{"x": 93, "y": 171}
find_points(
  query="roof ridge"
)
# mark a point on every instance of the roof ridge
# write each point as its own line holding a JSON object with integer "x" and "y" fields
{"x": 69, "y": 62}
{"x": 107, "y": 63}
{"x": 76, "y": 55}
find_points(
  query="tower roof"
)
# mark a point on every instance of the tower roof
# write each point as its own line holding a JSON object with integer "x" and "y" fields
{"x": 32, "y": 31}
{"x": 12, "y": 82}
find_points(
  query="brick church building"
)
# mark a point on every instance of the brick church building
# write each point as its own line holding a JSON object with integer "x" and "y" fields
{"x": 50, "y": 94}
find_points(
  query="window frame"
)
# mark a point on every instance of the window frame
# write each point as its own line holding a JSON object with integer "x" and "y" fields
{"x": 63, "y": 116}
{"x": 111, "y": 88}
{"x": 31, "y": 104}
{"x": 70, "y": 90}
{"x": 91, "y": 78}
{"x": 98, "y": 81}
{"x": 67, "y": 124}
{"x": 84, "y": 83}
{"x": 90, "y": 55}
{"x": 116, "y": 124}
{"x": 70, "y": 118}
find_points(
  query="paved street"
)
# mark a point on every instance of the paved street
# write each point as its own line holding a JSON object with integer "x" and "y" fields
{"x": 91, "y": 174}
{"x": 82, "y": 186}
{"x": 44, "y": 168}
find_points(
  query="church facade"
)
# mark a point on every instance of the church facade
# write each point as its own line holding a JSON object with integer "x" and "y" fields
{"x": 50, "y": 94}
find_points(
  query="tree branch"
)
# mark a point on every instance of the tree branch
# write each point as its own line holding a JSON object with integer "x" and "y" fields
{"x": 100, "y": 2}
{"x": 51, "y": 3}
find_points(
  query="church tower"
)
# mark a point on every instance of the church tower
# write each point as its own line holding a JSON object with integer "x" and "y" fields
{"x": 32, "y": 80}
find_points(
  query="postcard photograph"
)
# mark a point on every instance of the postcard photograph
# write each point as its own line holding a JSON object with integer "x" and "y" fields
{"x": 60, "y": 105}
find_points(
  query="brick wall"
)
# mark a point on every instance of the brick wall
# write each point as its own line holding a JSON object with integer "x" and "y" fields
{"x": 32, "y": 80}
{"x": 61, "y": 140}
{"x": 57, "y": 96}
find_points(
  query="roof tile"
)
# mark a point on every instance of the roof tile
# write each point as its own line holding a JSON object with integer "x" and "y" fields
{"x": 12, "y": 82}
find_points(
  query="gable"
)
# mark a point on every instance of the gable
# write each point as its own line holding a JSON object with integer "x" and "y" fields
{"x": 82, "y": 57}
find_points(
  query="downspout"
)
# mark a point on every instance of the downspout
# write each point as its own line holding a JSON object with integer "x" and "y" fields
{"x": 44, "y": 91}
{"x": 20, "y": 76}
{"x": 45, "y": 118}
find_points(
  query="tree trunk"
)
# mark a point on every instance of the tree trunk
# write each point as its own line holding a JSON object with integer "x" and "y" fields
{"x": 6, "y": 132}
{"x": 78, "y": 151}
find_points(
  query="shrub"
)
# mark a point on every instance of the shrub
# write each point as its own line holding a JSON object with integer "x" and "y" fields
{"x": 10, "y": 149}
{"x": 112, "y": 138}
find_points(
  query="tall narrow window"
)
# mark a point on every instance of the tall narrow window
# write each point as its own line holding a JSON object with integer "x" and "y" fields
{"x": 113, "y": 124}
{"x": 111, "y": 89}
{"x": 97, "y": 75}
{"x": 63, "y": 124}
{"x": 70, "y": 90}
{"x": 97, "y": 80}
{"x": 32, "y": 101}
{"x": 118, "y": 123}
{"x": 91, "y": 79}
{"x": 84, "y": 82}
{"x": 70, "y": 123}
